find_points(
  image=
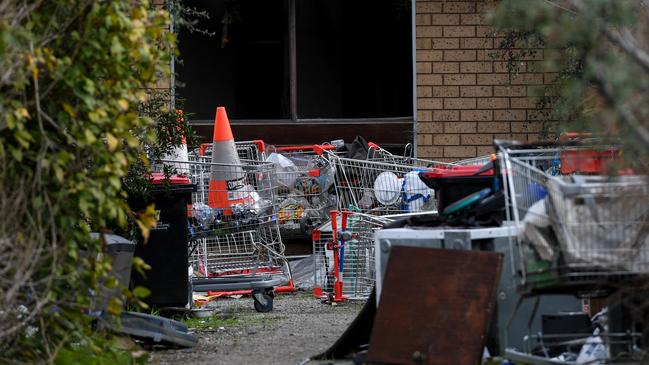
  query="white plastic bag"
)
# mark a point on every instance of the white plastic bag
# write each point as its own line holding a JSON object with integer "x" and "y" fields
{"x": 287, "y": 172}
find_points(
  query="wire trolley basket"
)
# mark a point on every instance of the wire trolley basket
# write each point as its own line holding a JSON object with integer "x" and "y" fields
{"x": 383, "y": 184}
{"x": 234, "y": 236}
{"x": 356, "y": 256}
{"x": 580, "y": 225}
{"x": 304, "y": 187}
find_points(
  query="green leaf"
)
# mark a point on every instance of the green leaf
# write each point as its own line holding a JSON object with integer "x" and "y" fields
{"x": 141, "y": 292}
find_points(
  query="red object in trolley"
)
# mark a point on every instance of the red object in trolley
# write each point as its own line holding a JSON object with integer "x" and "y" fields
{"x": 337, "y": 248}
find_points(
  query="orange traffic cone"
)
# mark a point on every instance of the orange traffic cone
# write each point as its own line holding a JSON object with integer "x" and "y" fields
{"x": 228, "y": 185}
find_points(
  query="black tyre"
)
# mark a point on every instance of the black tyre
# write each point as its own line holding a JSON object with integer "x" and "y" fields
{"x": 263, "y": 302}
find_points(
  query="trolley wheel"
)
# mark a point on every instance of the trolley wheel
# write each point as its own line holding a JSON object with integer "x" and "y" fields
{"x": 263, "y": 300}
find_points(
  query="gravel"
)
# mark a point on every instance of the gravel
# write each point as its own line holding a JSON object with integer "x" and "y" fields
{"x": 298, "y": 327}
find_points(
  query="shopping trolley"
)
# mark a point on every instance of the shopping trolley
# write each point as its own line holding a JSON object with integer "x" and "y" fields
{"x": 304, "y": 181}
{"x": 344, "y": 260}
{"x": 584, "y": 230}
{"x": 235, "y": 243}
{"x": 247, "y": 150}
{"x": 598, "y": 224}
{"x": 382, "y": 184}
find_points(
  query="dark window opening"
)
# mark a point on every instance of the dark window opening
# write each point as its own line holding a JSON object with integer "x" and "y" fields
{"x": 353, "y": 59}
{"x": 243, "y": 66}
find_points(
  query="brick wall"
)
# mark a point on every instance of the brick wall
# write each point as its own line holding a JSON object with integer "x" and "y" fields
{"x": 465, "y": 97}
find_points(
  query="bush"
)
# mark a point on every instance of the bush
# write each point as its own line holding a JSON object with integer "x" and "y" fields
{"x": 72, "y": 73}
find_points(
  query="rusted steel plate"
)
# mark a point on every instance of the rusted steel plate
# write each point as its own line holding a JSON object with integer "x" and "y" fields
{"x": 435, "y": 306}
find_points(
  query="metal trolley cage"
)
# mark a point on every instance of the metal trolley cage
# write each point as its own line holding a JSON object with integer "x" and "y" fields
{"x": 247, "y": 150}
{"x": 304, "y": 178}
{"x": 382, "y": 186}
{"x": 234, "y": 236}
{"x": 583, "y": 230}
{"x": 356, "y": 256}
{"x": 599, "y": 222}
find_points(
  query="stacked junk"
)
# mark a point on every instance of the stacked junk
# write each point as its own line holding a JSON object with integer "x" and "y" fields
{"x": 569, "y": 224}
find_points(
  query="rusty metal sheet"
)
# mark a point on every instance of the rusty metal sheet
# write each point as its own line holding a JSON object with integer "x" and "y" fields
{"x": 435, "y": 306}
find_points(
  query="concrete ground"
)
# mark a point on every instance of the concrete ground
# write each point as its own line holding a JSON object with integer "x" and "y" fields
{"x": 298, "y": 327}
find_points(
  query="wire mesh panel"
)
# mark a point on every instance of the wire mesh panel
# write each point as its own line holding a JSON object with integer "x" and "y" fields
{"x": 246, "y": 150}
{"x": 357, "y": 256}
{"x": 383, "y": 186}
{"x": 304, "y": 180}
{"x": 582, "y": 219}
{"x": 234, "y": 228}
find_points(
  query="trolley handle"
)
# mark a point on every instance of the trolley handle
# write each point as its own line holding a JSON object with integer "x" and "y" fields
{"x": 317, "y": 148}
{"x": 373, "y": 146}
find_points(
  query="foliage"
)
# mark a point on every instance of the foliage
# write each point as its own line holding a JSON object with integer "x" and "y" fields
{"x": 72, "y": 73}
{"x": 598, "y": 49}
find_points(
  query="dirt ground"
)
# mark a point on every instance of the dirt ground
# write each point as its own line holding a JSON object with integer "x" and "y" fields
{"x": 298, "y": 327}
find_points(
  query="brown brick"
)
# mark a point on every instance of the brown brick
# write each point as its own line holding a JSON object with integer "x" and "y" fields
{"x": 459, "y": 7}
{"x": 459, "y": 79}
{"x": 501, "y": 67}
{"x": 489, "y": 55}
{"x": 522, "y": 103}
{"x": 446, "y": 91}
{"x": 446, "y": 43}
{"x": 477, "y": 43}
{"x": 493, "y": 103}
{"x": 533, "y": 55}
{"x": 424, "y": 68}
{"x": 446, "y": 139}
{"x": 446, "y": 67}
{"x": 476, "y": 139}
{"x": 459, "y": 151}
{"x": 493, "y": 127}
{"x": 509, "y": 90}
{"x": 424, "y": 115}
{"x": 446, "y": 115}
{"x": 459, "y": 31}
{"x": 549, "y": 78}
{"x": 430, "y": 127}
{"x": 424, "y": 43}
{"x": 511, "y": 137}
{"x": 429, "y": 103}
{"x": 485, "y": 6}
{"x": 483, "y": 31}
{"x": 527, "y": 79}
{"x": 429, "y": 31}
{"x": 484, "y": 150}
{"x": 533, "y": 137}
{"x": 526, "y": 127}
{"x": 459, "y": 127}
{"x": 518, "y": 115}
{"x": 463, "y": 55}
{"x": 475, "y": 91}
{"x": 423, "y": 19}
{"x": 476, "y": 115}
{"x": 424, "y": 139}
{"x": 429, "y": 79}
{"x": 538, "y": 114}
{"x": 424, "y": 91}
{"x": 429, "y": 7}
{"x": 493, "y": 79}
{"x": 459, "y": 103}
{"x": 430, "y": 55}
{"x": 429, "y": 151}
{"x": 446, "y": 19}
{"x": 475, "y": 67}
{"x": 471, "y": 19}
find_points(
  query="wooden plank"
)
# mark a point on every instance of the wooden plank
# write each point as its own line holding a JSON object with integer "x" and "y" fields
{"x": 435, "y": 306}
